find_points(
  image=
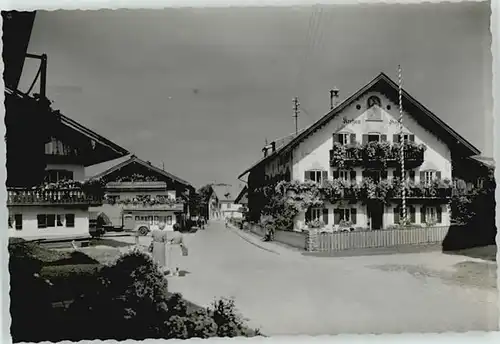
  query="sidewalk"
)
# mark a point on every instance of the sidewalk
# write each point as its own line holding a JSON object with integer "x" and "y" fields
{"x": 271, "y": 247}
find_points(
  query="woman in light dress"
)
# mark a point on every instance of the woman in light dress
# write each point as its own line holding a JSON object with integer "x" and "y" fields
{"x": 176, "y": 248}
{"x": 165, "y": 249}
{"x": 159, "y": 246}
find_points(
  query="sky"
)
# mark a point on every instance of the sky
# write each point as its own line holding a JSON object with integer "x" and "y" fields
{"x": 200, "y": 90}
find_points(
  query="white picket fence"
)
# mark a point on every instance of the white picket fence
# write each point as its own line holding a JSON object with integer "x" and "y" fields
{"x": 380, "y": 238}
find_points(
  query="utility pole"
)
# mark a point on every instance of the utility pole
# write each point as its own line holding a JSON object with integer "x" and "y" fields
{"x": 296, "y": 111}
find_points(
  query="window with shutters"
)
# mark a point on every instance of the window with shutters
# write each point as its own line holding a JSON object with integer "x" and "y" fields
{"x": 409, "y": 175}
{"x": 431, "y": 215}
{"x": 428, "y": 177}
{"x": 16, "y": 221}
{"x": 406, "y": 137}
{"x": 316, "y": 214}
{"x": 343, "y": 138}
{"x": 345, "y": 215}
{"x": 373, "y": 137}
{"x": 410, "y": 214}
{"x": 344, "y": 175}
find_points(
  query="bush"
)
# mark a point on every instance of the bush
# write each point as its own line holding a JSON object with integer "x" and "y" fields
{"x": 125, "y": 300}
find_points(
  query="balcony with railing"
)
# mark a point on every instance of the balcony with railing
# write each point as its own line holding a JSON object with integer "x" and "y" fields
{"x": 385, "y": 190}
{"x": 57, "y": 194}
{"x": 148, "y": 203}
{"x": 376, "y": 153}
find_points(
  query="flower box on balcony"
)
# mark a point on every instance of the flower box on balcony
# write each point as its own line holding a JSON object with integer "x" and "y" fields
{"x": 154, "y": 185}
{"x": 375, "y": 153}
{"x": 177, "y": 207}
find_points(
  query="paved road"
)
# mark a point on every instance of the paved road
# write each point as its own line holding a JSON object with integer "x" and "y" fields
{"x": 283, "y": 292}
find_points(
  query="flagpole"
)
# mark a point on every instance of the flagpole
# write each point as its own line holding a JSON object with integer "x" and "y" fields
{"x": 401, "y": 140}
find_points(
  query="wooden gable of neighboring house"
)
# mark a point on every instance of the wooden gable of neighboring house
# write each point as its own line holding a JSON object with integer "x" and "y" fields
{"x": 133, "y": 167}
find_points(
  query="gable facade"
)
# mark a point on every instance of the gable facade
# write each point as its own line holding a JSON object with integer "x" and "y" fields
{"x": 371, "y": 114}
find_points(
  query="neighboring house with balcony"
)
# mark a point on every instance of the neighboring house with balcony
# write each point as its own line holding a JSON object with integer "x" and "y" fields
{"x": 55, "y": 201}
{"x": 138, "y": 192}
{"x": 352, "y": 154}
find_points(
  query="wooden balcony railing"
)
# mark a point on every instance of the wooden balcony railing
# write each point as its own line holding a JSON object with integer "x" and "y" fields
{"x": 51, "y": 197}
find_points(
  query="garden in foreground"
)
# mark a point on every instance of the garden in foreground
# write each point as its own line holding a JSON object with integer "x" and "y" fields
{"x": 58, "y": 296}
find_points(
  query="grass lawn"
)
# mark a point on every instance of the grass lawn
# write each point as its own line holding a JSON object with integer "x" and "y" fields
{"x": 71, "y": 271}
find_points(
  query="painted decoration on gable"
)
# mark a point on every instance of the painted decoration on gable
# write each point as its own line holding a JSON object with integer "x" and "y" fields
{"x": 374, "y": 112}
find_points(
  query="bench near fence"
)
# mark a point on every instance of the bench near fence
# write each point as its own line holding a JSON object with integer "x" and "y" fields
{"x": 328, "y": 242}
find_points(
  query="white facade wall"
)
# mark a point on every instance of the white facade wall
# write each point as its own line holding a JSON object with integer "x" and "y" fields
{"x": 313, "y": 153}
{"x": 30, "y": 224}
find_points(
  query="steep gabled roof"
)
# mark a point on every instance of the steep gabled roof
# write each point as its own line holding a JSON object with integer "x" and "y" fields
{"x": 101, "y": 140}
{"x": 221, "y": 190}
{"x": 105, "y": 149}
{"x": 382, "y": 83}
{"x": 242, "y": 193}
{"x": 134, "y": 159}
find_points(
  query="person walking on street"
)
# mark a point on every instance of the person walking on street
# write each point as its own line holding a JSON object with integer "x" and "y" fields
{"x": 158, "y": 247}
{"x": 176, "y": 245}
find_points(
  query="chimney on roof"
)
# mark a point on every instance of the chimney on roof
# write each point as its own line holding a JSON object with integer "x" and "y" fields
{"x": 273, "y": 146}
{"x": 264, "y": 150}
{"x": 334, "y": 98}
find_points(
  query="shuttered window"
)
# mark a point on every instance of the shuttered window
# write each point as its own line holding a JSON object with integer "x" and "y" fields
{"x": 410, "y": 214}
{"x": 325, "y": 216}
{"x": 345, "y": 214}
{"x": 432, "y": 215}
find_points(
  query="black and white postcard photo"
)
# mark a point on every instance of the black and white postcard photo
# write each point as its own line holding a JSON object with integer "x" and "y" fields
{"x": 208, "y": 172}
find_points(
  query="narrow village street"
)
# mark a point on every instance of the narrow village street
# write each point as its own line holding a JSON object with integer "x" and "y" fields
{"x": 332, "y": 295}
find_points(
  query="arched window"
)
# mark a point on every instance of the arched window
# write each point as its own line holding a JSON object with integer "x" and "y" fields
{"x": 373, "y": 100}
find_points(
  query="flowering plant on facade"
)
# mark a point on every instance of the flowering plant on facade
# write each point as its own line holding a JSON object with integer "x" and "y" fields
{"x": 316, "y": 224}
{"x": 344, "y": 155}
{"x": 136, "y": 177}
{"x": 92, "y": 187}
{"x": 151, "y": 200}
{"x": 338, "y": 155}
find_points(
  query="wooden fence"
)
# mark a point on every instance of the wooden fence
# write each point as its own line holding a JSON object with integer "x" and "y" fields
{"x": 325, "y": 242}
